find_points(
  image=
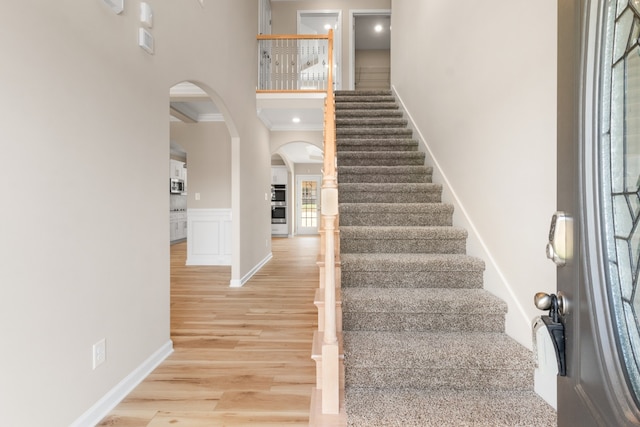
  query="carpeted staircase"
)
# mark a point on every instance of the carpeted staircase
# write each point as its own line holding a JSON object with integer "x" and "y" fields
{"x": 424, "y": 344}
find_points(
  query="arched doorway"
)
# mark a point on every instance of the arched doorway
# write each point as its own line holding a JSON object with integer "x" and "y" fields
{"x": 199, "y": 123}
{"x": 303, "y": 161}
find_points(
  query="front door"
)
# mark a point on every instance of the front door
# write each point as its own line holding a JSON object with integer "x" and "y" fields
{"x": 598, "y": 186}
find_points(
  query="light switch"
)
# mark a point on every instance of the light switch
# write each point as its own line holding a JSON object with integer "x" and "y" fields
{"x": 146, "y": 14}
{"x": 197, "y": 196}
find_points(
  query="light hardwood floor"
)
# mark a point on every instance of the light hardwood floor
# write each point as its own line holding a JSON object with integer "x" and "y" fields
{"x": 242, "y": 356}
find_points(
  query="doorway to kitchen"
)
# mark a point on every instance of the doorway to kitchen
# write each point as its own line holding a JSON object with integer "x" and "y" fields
{"x": 308, "y": 203}
{"x": 198, "y": 124}
{"x": 177, "y": 193}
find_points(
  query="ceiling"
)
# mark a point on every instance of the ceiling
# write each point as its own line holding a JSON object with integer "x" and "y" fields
{"x": 190, "y": 104}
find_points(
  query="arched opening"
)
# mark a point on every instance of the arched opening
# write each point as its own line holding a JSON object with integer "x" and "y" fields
{"x": 302, "y": 161}
{"x": 200, "y": 125}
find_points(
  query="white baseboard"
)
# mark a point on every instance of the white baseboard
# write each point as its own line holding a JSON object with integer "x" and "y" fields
{"x": 239, "y": 283}
{"x": 110, "y": 400}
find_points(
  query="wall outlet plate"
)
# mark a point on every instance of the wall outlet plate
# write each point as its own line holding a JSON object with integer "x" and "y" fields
{"x": 99, "y": 353}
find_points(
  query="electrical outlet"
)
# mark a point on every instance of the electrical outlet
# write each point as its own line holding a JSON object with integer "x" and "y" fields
{"x": 99, "y": 353}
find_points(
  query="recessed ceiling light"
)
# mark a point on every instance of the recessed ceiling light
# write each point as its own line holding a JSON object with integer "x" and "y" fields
{"x": 296, "y": 120}
{"x": 378, "y": 28}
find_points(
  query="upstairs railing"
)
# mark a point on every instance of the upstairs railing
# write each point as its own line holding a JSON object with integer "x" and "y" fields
{"x": 294, "y": 63}
{"x": 304, "y": 63}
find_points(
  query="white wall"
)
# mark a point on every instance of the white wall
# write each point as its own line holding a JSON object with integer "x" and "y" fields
{"x": 479, "y": 80}
{"x": 84, "y": 120}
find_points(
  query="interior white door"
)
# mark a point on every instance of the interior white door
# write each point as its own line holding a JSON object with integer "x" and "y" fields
{"x": 264, "y": 20}
{"x": 308, "y": 203}
{"x": 598, "y": 186}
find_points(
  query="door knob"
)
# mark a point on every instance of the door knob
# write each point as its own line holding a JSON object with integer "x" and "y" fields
{"x": 544, "y": 301}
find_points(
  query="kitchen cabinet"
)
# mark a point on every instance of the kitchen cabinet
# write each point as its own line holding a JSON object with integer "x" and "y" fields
{"x": 176, "y": 169}
{"x": 279, "y": 229}
{"x": 178, "y": 225}
{"x": 279, "y": 175}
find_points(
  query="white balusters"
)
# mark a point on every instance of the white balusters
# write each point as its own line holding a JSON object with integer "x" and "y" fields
{"x": 293, "y": 63}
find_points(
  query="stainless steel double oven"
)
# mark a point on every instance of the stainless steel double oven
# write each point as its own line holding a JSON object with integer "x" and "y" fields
{"x": 278, "y": 204}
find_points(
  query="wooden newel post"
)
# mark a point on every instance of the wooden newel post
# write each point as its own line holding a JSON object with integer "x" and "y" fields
{"x": 329, "y": 210}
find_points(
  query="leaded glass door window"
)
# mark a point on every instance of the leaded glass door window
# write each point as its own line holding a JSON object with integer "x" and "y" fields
{"x": 308, "y": 204}
{"x": 620, "y": 174}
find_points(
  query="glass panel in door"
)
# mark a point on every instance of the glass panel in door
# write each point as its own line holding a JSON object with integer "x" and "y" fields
{"x": 620, "y": 171}
{"x": 308, "y": 208}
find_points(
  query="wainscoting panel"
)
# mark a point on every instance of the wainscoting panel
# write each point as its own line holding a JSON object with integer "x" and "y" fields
{"x": 209, "y": 237}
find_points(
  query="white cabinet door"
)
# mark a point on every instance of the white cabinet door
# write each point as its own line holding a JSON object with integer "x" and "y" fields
{"x": 173, "y": 229}
{"x": 177, "y": 169}
{"x": 279, "y": 175}
{"x": 182, "y": 228}
{"x": 178, "y": 224}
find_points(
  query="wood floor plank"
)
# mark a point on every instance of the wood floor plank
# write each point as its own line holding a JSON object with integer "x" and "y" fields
{"x": 241, "y": 355}
{"x": 125, "y": 418}
{"x": 227, "y": 419}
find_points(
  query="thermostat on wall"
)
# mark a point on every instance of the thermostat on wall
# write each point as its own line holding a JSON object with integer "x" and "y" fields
{"x": 145, "y": 40}
{"x": 116, "y": 5}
